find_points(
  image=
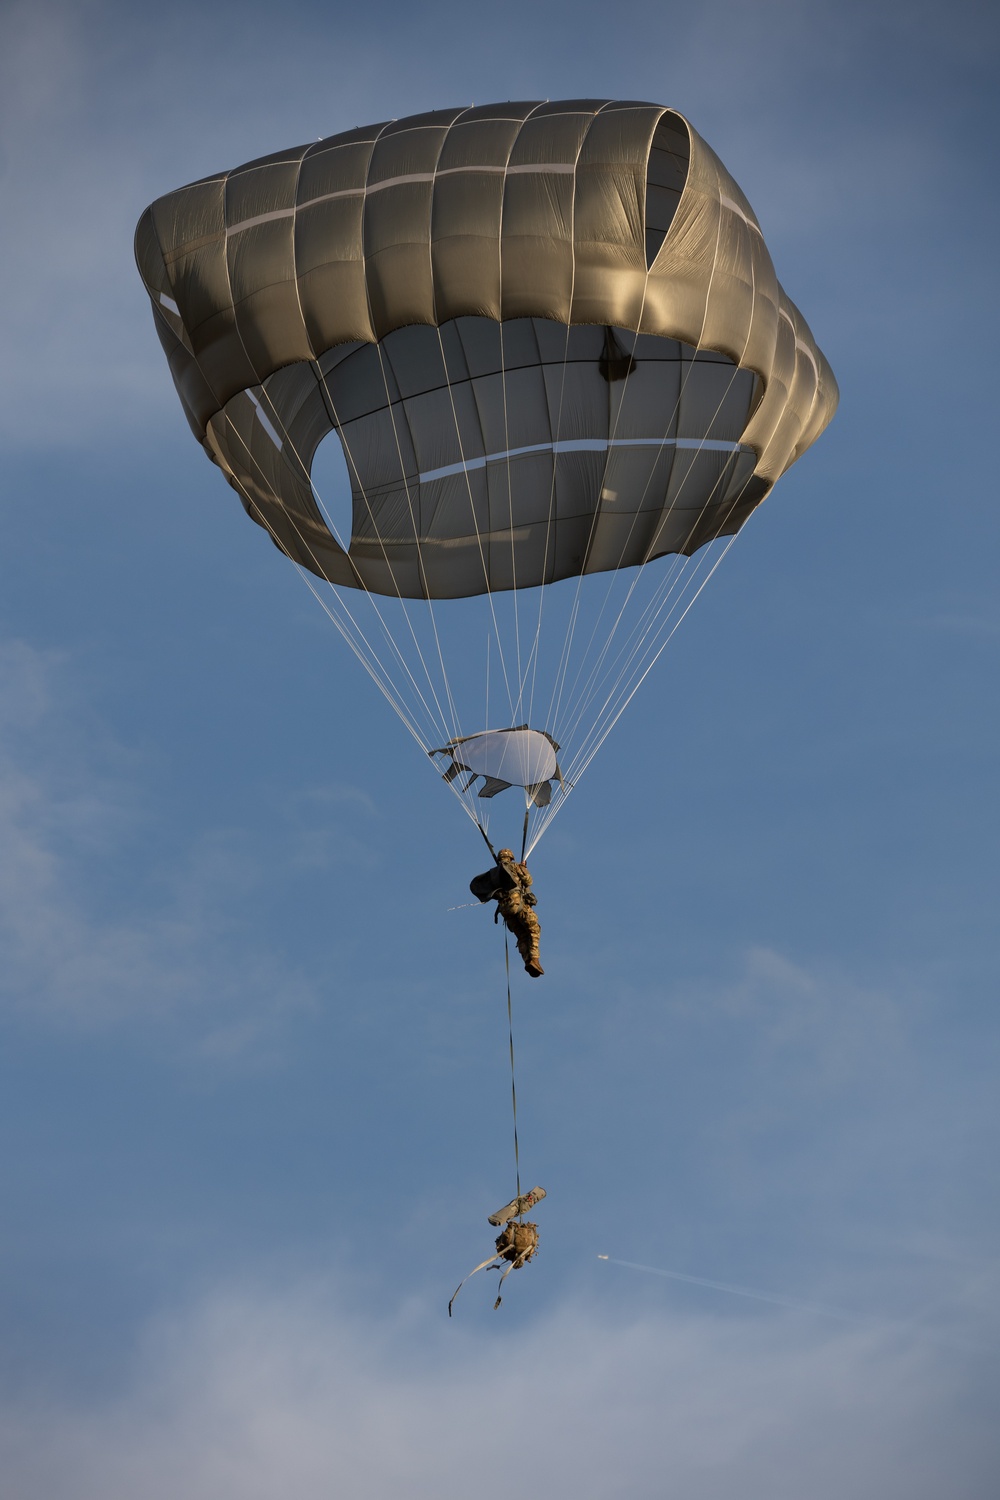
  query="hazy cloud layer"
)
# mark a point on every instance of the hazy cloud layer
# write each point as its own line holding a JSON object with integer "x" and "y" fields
{"x": 259, "y": 1396}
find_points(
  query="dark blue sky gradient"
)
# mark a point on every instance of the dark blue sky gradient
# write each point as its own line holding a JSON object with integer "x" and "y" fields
{"x": 254, "y": 1097}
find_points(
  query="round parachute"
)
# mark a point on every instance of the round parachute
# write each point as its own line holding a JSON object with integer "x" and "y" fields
{"x": 550, "y": 343}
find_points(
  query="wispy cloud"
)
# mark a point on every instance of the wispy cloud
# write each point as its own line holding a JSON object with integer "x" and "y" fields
{"x": 979, "y": 624}
{"x": 71, "y": 955}
{"x": 832, "y": 1023}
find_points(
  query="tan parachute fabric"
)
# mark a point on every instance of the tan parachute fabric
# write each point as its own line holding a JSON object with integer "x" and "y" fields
{"x": 651, "y": 383}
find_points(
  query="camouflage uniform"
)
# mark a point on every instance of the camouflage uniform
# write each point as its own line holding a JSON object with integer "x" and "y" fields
{"x": 509, "y": 885}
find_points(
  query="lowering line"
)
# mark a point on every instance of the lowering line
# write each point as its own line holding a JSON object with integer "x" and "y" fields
{"x": 517, "y": 1242}
{"x": 513, "y": 1085}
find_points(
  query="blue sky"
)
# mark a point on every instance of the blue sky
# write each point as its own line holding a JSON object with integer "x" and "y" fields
{"x": 253, "y": 1098}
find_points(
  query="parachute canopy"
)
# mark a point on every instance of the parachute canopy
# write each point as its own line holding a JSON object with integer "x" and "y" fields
{"x": 550, "y": 342}
{"x": 549, "y": 336}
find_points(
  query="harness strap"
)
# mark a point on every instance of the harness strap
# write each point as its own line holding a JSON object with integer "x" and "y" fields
{"x": 491, "y": 1261}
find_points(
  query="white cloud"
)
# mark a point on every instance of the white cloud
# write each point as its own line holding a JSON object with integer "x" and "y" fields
{"x": 259, "y": 1396}
{"x": 810, "y": 1031}
{"x": 834, "y": 1026}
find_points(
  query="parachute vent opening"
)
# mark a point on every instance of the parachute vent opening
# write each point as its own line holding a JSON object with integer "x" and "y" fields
{"x": 615, "y": 363}
{"x": 331, "y": 484}
{"x": 666, "y": 174}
